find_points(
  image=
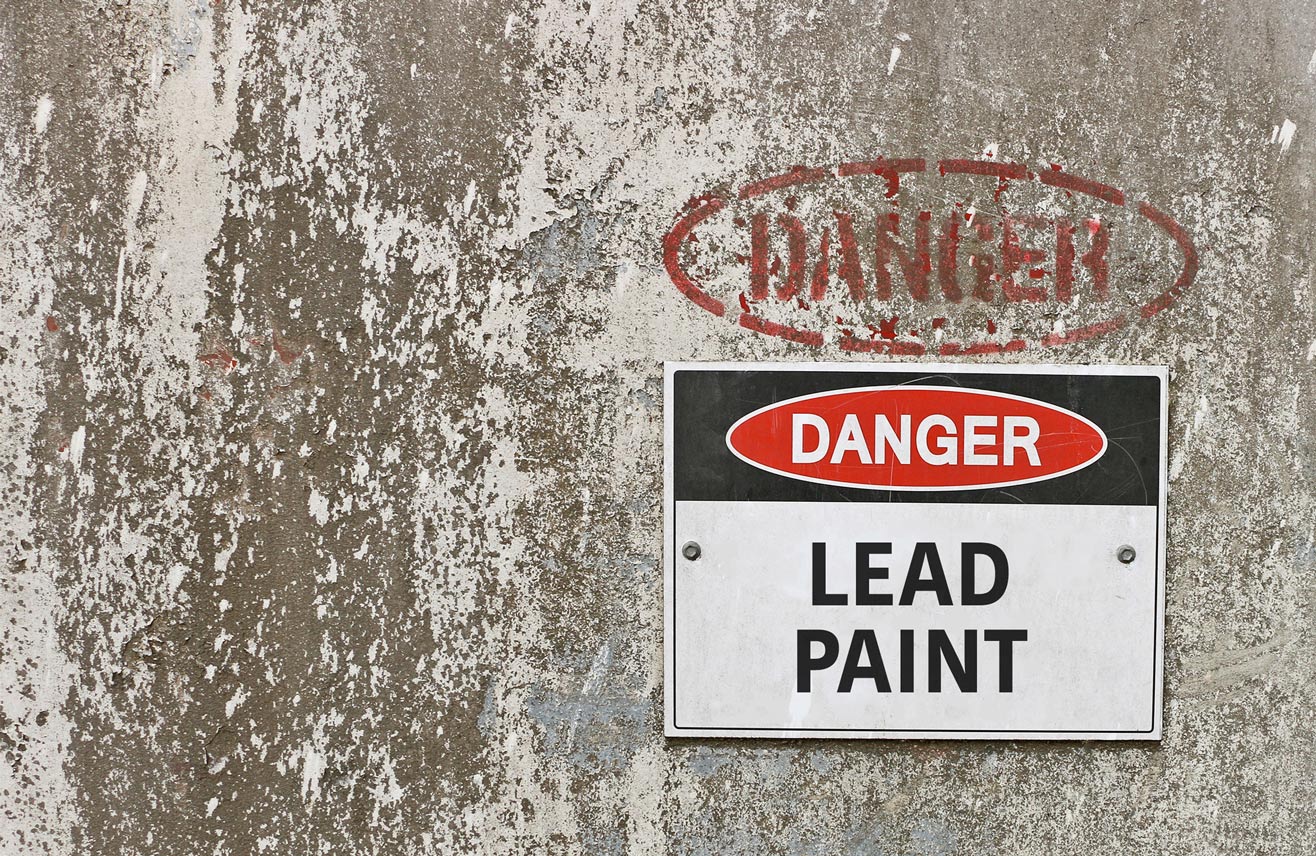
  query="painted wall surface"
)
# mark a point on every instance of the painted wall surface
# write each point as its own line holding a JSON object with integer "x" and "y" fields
{"x": 330, "y": 368}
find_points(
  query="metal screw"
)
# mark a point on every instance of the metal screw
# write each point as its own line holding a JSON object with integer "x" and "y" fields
{"x": 691, "y": 550}
{"x": 1126, "y": 554}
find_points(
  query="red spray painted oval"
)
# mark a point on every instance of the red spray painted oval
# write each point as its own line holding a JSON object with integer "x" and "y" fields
{"x": 874, "y": 328}
{"x": 916, "y": 438}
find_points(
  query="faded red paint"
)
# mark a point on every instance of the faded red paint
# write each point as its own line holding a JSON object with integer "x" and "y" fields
{"x": 1189, "y": 272}
{"x": 287, "y": 353}
{"x": 948, "y": 245}
{"x": 51, "y": 324}
{"x": 888, "y": 169}
{"x": 850, "y": 271}
{"x": 221, "y": 359}
{"x": 704, "y": 207}
{"x": 916, "y": 265}
{"x": 1069, "y": 181}
{"x": 1003, "y": 171}
{"x": 797, "y": 175}
{"x": 759, "y": 325}
{"x": 1013, "y": 257}
{"x": 849, "y": 342}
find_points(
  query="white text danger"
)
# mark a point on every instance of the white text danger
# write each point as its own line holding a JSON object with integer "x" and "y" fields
{"x": 937, "y": 440}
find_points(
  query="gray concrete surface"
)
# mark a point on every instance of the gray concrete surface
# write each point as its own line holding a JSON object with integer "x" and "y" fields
{"x": 330, "y": 364}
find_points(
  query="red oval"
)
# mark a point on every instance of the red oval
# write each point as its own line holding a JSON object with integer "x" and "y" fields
{"x": 890, "y": 170}
{"x": 916, "y": 438}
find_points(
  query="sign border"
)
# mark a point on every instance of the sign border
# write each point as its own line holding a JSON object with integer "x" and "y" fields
{"x": 671, "y": 552}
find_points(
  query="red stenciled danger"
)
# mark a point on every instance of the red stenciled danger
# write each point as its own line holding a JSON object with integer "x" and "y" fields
{"x": 916, "y": 438}
{"x": 882, "y": 278}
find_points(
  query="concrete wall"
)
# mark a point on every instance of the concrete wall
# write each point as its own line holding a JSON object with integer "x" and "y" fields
{"x": 330, "y": 365}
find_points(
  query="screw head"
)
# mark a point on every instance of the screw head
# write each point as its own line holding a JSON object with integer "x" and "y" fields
{"x": 691, "y": 550}
{"x": 1126, "y": 554}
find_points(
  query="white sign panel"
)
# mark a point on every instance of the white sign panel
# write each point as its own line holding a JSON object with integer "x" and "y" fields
{"x": 914, "y": 551}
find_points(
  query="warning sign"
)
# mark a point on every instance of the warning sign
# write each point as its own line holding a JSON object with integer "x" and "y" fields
{"x": 917, "y": 551}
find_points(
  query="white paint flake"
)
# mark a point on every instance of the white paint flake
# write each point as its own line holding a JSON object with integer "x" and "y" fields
{"x": 136, "y": 195}
{"x": 223, "y": 556}
{"x": 235, "y": 702}
{"x": 1283, "y": 134}
{"x": 1201, "y": 413}
{"x": 319, "y": 505}
{"x": 387, "y": 791}
{"x": 895, "y": 53}
{"x": 313, "y": 765}
{"x": 41, "y": 118}
{"x": 77, "y": 443}
{"x": 175, "y": 578}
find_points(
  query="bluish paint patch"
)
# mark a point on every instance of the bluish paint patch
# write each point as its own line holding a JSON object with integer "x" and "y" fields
{"x": 706, "y": 761}
{"x": 933, "y": 837}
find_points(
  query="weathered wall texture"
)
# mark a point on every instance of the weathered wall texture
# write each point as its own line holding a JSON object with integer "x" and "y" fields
{"x": 330, "y": 364}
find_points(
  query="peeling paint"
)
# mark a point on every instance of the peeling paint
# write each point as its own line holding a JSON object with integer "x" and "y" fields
{"x": 331, "y": 362}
